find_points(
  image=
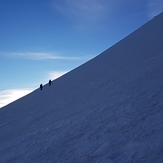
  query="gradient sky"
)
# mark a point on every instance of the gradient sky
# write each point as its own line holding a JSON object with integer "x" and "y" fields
{"x": 43, "y": 39}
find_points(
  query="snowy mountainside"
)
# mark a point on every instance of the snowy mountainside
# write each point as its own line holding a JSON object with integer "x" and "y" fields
{"x": 109, "y": 109}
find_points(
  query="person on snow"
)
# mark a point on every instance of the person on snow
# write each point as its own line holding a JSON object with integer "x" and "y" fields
{"x": 50, "y": 82}
{"x": 41, "y": 86}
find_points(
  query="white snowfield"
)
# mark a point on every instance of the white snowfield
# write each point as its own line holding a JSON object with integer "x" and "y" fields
{"x": 108, "y": 110}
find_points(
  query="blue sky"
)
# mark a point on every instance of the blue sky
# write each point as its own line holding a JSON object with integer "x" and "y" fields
{"x": 43, "y": 39}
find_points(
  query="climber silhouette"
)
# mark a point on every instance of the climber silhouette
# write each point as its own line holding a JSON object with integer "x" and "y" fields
{"x": 41, "y": 86}
{"x": 50, "y": 82}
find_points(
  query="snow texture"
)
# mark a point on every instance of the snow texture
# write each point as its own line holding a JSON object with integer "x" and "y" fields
{"x": 108, "y": 110}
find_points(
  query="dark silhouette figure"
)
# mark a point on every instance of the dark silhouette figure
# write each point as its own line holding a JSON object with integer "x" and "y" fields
{"x": 50, "y": 82}
{"x": 41, "y": 86}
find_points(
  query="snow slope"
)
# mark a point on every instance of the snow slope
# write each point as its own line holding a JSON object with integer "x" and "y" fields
{"x": 109, "y": 109}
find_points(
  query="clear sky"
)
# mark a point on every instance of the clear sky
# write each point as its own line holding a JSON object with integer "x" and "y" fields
{"x": 43, "y": 39}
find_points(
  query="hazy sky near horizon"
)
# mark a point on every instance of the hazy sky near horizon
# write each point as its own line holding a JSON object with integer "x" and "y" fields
{"x": 43, "y": 39}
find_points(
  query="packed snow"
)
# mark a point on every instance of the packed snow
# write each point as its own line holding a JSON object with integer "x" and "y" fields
{"x": 108, "y": 110}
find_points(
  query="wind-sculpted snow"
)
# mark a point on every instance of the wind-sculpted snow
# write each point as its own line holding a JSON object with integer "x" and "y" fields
{"x": 108, "y": 110}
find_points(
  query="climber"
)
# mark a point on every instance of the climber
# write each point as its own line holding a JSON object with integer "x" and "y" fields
{"x": 50, "y": 82}
{"x": 41, "y": 86}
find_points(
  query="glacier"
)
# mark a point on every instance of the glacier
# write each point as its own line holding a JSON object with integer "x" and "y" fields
{"x": 108, "y": 110}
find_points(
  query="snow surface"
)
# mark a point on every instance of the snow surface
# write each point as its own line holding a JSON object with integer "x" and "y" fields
{"x": 109, "y": 110}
